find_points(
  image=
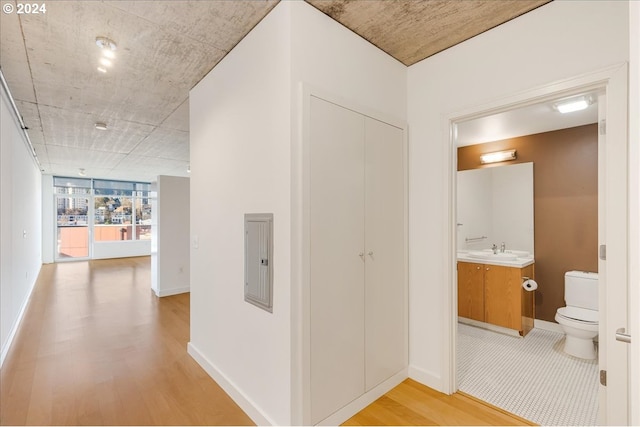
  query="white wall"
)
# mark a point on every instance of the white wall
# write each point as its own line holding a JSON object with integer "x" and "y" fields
{"x": 21, "y": 224}
{"x": 245, "y": 148}
{"x": 170, "y": 237}
{"x": 240, "y": 142}
{"x": 333, "y": 60}
{"x": 329, "y": 56}
{"x": 556, "y": 41}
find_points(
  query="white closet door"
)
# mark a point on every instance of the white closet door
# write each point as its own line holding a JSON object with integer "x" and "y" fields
{"x": 385, "y": 252}
{"x": 337, "y": 266}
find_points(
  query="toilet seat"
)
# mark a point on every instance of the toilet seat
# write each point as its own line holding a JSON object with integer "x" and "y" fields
{"x": 582, "y": 315}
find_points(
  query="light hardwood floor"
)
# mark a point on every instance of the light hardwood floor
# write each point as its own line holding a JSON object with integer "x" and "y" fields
{"x": 411, "y": 403}
{"x": 97, "y": 347}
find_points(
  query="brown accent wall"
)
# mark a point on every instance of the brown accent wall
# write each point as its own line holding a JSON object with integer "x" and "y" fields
{"x": 565, "y": 179}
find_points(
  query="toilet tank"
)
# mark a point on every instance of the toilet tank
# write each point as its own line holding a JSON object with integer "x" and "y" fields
{"x": 581, "y": 289}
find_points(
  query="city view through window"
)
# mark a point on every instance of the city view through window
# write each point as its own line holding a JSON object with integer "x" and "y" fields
{"x": 91, "y": 210}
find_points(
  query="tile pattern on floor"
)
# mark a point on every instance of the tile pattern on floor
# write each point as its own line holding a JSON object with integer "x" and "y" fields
{"x": 530, "y": 377}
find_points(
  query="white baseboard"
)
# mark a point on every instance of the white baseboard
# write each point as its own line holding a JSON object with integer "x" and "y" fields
{"x": 343, "y": 414}
{"x": 547, "y": 326}
{"x": 173, "y": 291}
{"x": 245, "y": 403}
{"x": 426, "y": 378}
{"x": 16, "y": 324}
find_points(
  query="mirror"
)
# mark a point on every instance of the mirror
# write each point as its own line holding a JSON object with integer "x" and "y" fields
{"x": 495, "y": 205}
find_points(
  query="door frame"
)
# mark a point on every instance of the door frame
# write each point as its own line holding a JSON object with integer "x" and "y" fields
{"x": 613, "y": 81}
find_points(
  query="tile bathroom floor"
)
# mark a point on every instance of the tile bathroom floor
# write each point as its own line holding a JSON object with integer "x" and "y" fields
{"x": 530, "y": 377}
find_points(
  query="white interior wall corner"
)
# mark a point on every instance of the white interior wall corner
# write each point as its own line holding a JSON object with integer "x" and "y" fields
{"x": 240, "y": 139}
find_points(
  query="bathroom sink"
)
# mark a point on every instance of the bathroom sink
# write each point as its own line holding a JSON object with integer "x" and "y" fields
{"x": 520, "y": 254}
{"x": 502, "y": 256}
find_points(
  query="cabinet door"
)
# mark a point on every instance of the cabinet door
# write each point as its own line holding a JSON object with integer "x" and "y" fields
{"x": 502, "y": 296}
{"x": 471, "y": 290}
{"x": 337, "y": 269}
{"x": 385, "y": 252}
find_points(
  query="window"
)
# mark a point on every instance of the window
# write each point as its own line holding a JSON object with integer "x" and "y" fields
{"x": 114, "y": 210}
{"x": 113, "y": 218}
{"x": 143, "y": 215}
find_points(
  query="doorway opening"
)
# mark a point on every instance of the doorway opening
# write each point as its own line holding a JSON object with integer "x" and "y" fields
{"x": 539, "y": 210}
{"x": 602, "y": 89}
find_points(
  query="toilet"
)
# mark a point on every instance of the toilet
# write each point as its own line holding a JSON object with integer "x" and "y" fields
{"x": 579, "y": 319}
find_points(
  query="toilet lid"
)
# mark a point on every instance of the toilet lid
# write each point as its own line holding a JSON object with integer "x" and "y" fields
{"x": 581, "y": 314}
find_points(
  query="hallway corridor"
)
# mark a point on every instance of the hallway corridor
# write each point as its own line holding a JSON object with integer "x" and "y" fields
{"x": 97, "y": 347}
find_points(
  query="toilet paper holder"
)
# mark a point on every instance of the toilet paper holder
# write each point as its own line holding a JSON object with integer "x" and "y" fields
{"x": 529, "y": 284}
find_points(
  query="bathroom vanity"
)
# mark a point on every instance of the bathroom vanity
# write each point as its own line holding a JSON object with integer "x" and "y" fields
{"x": 490, "y": 290}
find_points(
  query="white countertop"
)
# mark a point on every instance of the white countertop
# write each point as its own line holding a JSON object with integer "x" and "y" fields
{"x": 518, "y": 262}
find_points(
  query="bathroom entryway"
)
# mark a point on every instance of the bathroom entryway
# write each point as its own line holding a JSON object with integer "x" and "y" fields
{"x": 610, "y": 403}
{"x": 529, "y": 377}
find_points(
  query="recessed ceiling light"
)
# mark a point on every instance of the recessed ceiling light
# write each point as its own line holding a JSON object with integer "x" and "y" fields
{"x": 101, "y": 126}
{"x": 102, "y": 70}
{"x": 105, "y": 43}
{"x": 105, "y": 62}
{"x": 82, "y": 172}
{"x": 571, "y": 105}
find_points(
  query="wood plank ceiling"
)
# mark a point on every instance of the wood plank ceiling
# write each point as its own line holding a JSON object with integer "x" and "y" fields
{"x": 164, "y": 48}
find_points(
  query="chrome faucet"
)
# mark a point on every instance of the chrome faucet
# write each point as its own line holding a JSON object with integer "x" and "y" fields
{"x": 502, "y": 247}
{"x": 494, "y": 248}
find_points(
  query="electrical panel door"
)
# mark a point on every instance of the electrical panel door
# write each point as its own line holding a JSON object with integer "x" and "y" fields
{"x": 258, "y": 260}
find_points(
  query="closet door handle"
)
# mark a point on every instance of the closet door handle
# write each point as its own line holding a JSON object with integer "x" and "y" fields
{"x": 361, "y": 254}
{"x": 370, "y": 253}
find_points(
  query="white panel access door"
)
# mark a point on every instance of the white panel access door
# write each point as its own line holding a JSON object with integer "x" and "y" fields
{"x": 337, "y": 257}
{"x": 357, "y": 238}
{"x": 385, "y": 252}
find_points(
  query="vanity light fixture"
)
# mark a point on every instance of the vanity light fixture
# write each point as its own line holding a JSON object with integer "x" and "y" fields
{"x": 101, "y": 126}
{"x": 571, "y": 105}
{"x": 498, "y": 156}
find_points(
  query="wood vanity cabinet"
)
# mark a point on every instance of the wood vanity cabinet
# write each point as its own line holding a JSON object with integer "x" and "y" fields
{"x": 471, "y": 290}
{"x": 493, "y": 294}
